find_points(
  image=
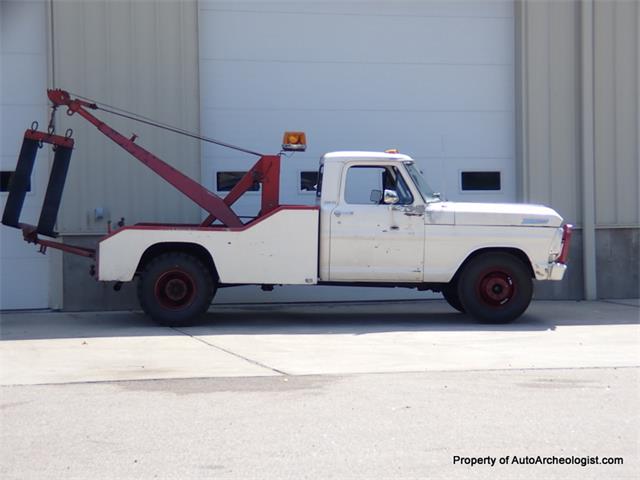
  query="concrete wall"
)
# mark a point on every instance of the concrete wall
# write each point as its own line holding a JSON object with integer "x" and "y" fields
{"x": 618, "y": 262}
{"x": 555, "y": 134}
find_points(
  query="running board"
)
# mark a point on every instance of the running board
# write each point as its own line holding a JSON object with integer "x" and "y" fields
{"x": 21, "y": 180}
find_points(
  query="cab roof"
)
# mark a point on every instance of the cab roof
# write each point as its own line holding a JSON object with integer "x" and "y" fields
{"x": 344, "y": 156}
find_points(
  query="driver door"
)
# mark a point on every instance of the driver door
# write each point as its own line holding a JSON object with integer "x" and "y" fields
{"x": 372, "y": 239}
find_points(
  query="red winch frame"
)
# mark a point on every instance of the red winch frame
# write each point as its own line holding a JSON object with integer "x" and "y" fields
{"x": 265, "y": 171}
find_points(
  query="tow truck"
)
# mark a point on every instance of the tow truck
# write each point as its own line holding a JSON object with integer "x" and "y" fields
{"x": 376, "y": 222}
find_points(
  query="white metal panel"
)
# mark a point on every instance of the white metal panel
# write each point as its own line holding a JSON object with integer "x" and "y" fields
{"x": 449, "y": 245}
{"x": 434, "y": 79}
{"x": 281, "y": 249}
{"x": 503, "y": 214}
{"x": 24, "y": 277}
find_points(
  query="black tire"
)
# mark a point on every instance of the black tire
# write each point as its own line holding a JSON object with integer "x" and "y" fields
{"x": 495, "y": 287}
{"x": 450, "y": 294}
{"x": 175, "y": 289}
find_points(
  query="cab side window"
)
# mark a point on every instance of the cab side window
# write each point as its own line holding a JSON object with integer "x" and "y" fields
{"x": 365, "y": 185}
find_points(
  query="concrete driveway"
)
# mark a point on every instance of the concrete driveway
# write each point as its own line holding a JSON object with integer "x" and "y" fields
{"x": 263, "y": 340}
{"x": 346, "y": 391}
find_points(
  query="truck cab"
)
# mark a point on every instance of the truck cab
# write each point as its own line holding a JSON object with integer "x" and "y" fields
{"x": 372, "y": 218}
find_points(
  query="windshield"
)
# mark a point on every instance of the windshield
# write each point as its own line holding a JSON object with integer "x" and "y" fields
{"x": 420, "y": 182}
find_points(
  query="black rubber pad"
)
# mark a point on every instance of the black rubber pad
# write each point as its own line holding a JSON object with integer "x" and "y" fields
{"x": 20, "y": 183}
{"x": 53, "y": 196}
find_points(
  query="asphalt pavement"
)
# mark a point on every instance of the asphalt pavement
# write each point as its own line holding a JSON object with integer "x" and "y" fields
{"x": 373, "y": 390}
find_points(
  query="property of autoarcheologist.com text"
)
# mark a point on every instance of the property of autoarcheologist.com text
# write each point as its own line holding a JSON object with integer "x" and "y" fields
{"x": 580, "y": 461}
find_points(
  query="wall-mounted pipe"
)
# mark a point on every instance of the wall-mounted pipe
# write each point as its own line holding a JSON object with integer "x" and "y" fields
{"x": 588, "y": 152}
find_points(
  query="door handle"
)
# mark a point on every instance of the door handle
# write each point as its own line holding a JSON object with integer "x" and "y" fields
{"x": 337, "y": 213}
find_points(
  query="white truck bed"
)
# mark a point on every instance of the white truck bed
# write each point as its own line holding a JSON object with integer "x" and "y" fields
{"x": 280, "y": 248}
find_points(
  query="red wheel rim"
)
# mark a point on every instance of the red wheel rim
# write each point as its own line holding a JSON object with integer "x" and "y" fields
{"x": 175, "y": 289}
{"x": 496, "y": 287}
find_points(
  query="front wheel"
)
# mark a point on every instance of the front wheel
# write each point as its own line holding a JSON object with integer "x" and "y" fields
{"x": 495, "y": 287}
{"x": 175, "y": 289}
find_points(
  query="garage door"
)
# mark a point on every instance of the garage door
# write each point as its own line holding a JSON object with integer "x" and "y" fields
{"x": 433, "y": 79}
{"x": 24, "y": 280}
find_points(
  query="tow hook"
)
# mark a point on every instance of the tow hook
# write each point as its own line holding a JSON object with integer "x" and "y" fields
{"x": 117, "y": 286}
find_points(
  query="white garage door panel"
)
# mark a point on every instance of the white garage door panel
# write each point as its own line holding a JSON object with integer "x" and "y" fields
{"x": 479, "y": 141}
{"x": 358, "y": 87}
{"x": 24, "y": 276}
{"x": 459, "y": 134}
{"x": 446, "y": 179}
{"x": 15, "y": 119}
{"x": 22, "y": 26}
{"x": 414, "y": 8}
{"x": 22, "y": 78}
{"x": 25, "y": 283}
{"x": 360, "y": 38}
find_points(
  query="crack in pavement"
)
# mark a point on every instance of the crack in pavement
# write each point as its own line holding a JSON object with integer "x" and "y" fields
{"x": 621, "y": 302}
{"x": 254, "y": 362}
{"x": 303, "y": 375}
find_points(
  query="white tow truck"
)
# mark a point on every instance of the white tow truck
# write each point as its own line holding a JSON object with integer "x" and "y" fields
{"x": 376, "y": 222}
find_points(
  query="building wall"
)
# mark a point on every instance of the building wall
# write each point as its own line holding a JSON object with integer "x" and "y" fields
{"x": 551, "y": 131}
{"x": 549, "y": 72}
{"x": 155, "y": 44}
{"x": 616, "y": 84}
{"x": 140, "y": 56}
{"x": 617, "y": 147}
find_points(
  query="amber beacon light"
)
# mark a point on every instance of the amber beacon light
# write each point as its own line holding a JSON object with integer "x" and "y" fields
{"x": 294, "y": 142}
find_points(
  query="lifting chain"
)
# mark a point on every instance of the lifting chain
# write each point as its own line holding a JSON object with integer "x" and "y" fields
{"x": 51, "y": 128}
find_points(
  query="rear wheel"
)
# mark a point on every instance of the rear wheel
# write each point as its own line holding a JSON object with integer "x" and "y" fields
{"x": 495, "y": 287}
{"x": 175, "y": 289}
{"x": 450, "y": 294}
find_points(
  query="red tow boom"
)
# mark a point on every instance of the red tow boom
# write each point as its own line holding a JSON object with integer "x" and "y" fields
{"x": 266, "y": 171}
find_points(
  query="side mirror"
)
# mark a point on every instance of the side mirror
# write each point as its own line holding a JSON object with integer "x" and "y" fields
{"x": 391, "y": 197}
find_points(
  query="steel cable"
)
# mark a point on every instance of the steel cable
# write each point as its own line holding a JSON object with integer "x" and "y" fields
{"x": 149, "y": 121}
